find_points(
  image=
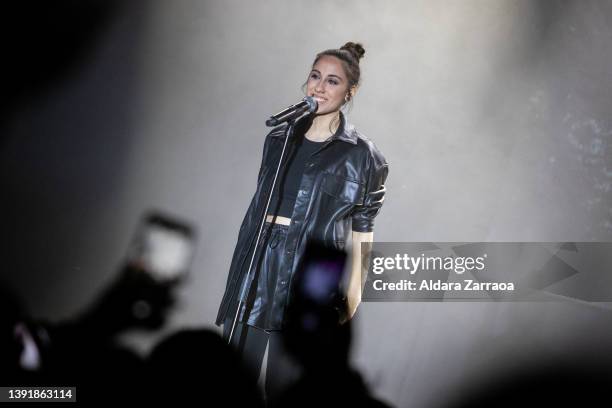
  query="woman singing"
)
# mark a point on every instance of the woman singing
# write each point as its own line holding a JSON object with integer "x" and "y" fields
{"x": 330, "y": 189}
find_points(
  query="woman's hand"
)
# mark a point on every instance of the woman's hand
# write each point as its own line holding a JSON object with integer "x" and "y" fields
{"x": 353, "y": 300}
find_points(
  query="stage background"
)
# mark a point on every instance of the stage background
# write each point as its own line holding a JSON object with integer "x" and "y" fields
{"x": 493, "y": 116}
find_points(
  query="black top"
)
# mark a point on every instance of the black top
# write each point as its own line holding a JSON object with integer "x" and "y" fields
{"x": 289, "y": 178}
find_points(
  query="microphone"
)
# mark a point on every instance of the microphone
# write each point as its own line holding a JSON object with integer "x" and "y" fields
{"x": 308, "y": 104}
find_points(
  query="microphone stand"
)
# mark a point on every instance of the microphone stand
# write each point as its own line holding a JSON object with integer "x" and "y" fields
{"x": 248, "y": 278}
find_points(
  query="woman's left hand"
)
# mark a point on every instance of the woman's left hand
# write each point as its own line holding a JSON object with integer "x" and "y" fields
{"x": 353, "y": 300}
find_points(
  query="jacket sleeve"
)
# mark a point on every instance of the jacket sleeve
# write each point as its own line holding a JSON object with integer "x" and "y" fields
{"x": 363, "y": 215}
{"x": 264, "y": 156}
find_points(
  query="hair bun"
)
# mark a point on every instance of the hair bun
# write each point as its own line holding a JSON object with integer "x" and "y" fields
{"x": 356, "y": 49}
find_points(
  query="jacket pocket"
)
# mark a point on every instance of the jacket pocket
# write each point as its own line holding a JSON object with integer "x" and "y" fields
{"x": 348, "y": 191}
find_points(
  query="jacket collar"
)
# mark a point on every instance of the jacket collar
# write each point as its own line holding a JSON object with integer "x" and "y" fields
{"x": 345, "y": 132}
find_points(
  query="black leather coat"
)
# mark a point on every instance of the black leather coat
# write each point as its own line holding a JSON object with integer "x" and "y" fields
{"x": 342, "y": 189}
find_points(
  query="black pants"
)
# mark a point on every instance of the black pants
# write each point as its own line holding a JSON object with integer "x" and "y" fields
{"x": 267, "y": 299}
{"x": 266, "y": 307}
{"x": 251, "y": 342}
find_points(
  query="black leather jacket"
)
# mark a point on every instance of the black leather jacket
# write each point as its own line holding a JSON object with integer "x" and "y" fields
{"x": 342, "y": 189}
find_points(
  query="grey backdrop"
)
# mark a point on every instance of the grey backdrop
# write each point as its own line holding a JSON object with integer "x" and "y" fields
{"x": 493, "y": 116}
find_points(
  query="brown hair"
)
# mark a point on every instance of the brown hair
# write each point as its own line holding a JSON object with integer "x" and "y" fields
{"x": 350, "y": 54}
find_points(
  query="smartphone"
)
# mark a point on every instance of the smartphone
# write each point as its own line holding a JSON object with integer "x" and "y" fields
{"x": 318, "y": 294}
{"x": 162, "y": 247}
{"x": 321, "y": 273}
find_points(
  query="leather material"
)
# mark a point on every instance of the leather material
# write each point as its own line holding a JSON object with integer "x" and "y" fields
{"x": 288, "y": 182}
{"x": 342, "y": 189}
{"x": 266, "y": 304}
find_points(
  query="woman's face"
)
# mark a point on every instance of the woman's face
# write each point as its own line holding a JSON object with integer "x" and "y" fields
{"x": 327, "y": 83}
